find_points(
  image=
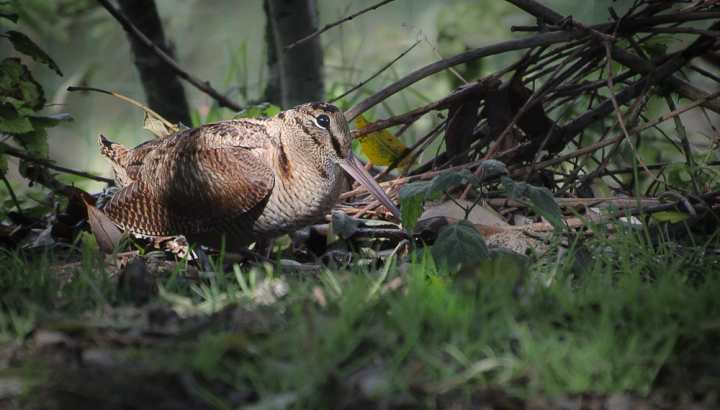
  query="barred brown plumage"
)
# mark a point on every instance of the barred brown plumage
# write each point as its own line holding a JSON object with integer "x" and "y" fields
{"x": 243, "y": 180}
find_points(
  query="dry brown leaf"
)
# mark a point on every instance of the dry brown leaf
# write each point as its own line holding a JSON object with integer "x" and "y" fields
{"x": 448, "y": 213}
{"x": 106, "y": 233}
{"x": 157, "y": 127}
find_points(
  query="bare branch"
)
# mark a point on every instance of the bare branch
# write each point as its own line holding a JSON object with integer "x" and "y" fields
{"x": 12, "y": 193}
{"x": 337, "y": 23}
{"x": 14, "y": 152}
{"x": 539, "y": 40}
{"x": 205, "y": 87}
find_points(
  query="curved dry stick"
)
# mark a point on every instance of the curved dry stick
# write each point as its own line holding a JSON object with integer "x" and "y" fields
{"x": 337, "y": 23}
{"x": 133, "y": 102}
{"x": 203, "y": 86}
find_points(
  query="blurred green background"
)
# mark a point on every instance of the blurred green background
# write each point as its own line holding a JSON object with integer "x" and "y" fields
{"x": 223, "y": 42}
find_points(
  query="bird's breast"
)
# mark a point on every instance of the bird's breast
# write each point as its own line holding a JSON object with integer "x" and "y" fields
{"x": 301, "y": 198}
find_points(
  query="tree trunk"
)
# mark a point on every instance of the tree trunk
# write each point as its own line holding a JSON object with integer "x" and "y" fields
{"x": 163, "y": 90}
{"x": 299, "y": 73}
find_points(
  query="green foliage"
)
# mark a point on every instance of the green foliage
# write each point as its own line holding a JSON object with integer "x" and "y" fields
{"x": 539, "y": 329}
{"x": 679, "y": 173}
{"x": 414, "y": 194}
{"x": 493, "y": 165}
{"x": 459, "y": 245}
{"x": 24, "y": 45}
{"x": 542, "y": 200}
{"x": 17, "y": 83}
{"x": 21, "y": 97}
{"x": 260, "y": 110}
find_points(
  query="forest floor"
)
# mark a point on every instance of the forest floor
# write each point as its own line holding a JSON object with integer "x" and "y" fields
{"x": 610, "y": 322}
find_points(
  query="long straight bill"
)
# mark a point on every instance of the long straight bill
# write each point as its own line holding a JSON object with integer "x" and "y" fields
{"x": 354, "y": 168}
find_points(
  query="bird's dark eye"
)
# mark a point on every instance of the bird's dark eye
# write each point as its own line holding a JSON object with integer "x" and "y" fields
{"x": 323, "y": 121}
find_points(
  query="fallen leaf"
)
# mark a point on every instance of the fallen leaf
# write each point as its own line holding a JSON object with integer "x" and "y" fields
{"x": 449, "y": 213}
{"x": 156, "y": 126}
{"x": 382, "y": 148}
{"x": 106, "y": 233}
{"x": 343, "y": 225}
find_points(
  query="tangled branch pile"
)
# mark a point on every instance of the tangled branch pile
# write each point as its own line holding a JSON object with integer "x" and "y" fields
{"x": 576, "y": 108}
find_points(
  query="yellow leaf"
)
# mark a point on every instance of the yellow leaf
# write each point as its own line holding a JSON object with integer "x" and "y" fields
{"x": 382, "y": 148}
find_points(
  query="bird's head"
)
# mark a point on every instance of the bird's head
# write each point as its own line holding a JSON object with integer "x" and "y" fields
{"x": 321, "y": 129}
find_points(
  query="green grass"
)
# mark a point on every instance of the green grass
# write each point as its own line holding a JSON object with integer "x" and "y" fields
{"x": 632, "y": 320}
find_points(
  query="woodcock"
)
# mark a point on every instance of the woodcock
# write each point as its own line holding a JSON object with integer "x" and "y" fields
{"x": 244, "y": 180}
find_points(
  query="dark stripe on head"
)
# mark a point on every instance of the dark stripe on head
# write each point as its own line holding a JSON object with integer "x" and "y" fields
{"x": 312, "y": 135}
{"x": 336, "y": 145}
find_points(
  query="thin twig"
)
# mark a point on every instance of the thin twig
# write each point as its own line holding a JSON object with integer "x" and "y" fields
{"x": 676, "y": 30}
{"x": 687, "y": 150}
{"x": 362, "y": 83}
{"x": 14, "y": 152}
{"x": 596, "y": 146}
{"x": 512, "y": 45}
{"x": 481, "y": 86}
{"x": 203, "y": 86}
{"x": 12, "y": 193}
{"x": 331, "y": 25}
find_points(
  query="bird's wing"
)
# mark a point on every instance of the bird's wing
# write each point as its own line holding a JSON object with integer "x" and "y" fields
{"x": 192, "y": 191}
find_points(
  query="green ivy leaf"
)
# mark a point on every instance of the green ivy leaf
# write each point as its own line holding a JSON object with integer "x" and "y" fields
{"x": 542, "y": 200}
{"x": 343, "y": 224}
{"x": 459, "y": 245}
{"x": 678, "y": 174}
{"x": 414, "y": 189}
{"x": 451, "y": 179}
{"x": 494, "y": 165}
{"x": 16, "y": 125}
{"x": 272, "y": 110}
{"x": 411, "y": 198}
{"x": 11, "y": 121}
{"x": 16, "y": 82}
{"x": 514, "y": 189}
{"x": 35, "y": 141}
{"x": 261, "y": 110}
{"x": 8, "y": 110}
{"x": 414, "y": 194}
{"x": 3, "y": 161}
{"x": 23, "y": 44}
{"x": 411, "y": 209}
